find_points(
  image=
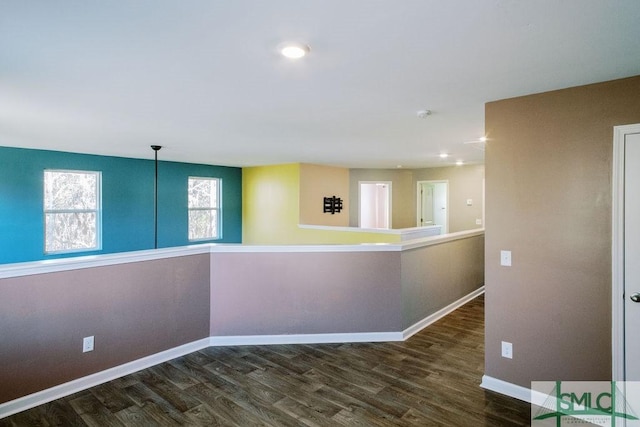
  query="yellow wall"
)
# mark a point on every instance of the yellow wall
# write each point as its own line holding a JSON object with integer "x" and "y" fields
{"x": 271, "y": 211}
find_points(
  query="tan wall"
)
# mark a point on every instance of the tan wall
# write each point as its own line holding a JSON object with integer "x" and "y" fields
{"x": 402, "y": 197}
{"x": 133, "y": 310}
{"x": 435, "y": 276}
{"x": 281, "y": 293}
{"x": 318, "y": 182}
{"x": 548, "y": 200}
{"x": 465, "y": 182}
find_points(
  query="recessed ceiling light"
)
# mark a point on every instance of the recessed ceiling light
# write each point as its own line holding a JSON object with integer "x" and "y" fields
{"x": 294, "y": 50}
{"x": 443, "y": 155}
{"x": 483, "y": 139}
{"x": 459, "y": 163}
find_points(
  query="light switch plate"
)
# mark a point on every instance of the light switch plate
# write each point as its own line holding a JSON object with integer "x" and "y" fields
{"x": 87, "y": 344}
{"x": 505, "y": 258}
{"x": 507, "y": 350}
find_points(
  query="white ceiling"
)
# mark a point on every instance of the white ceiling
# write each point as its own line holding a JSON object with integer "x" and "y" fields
{"x": 204, "y": 80}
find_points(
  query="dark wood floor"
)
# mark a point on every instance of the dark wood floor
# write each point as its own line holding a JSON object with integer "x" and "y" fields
{"x": 431, "y": 379}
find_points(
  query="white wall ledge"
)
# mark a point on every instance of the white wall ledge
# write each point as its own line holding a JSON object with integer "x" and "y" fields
{"x": 393, "y": 231}
{"x": 92, "y": 261}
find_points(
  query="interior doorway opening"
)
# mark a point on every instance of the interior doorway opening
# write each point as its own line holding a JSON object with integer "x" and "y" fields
{"x": 433, "y": 204}
{"x": 375, "y": 204}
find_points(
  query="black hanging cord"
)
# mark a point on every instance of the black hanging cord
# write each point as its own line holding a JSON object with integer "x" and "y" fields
{"x": 155, "y": 148}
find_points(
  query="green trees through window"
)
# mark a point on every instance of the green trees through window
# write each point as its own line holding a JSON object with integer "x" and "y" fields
{"x": 204, "y": 208}
{"x": 71, "y": 211}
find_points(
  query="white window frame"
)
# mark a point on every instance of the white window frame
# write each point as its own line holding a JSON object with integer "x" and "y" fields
{"x": 217, "y": 208}
{"x": 97, "y": 210}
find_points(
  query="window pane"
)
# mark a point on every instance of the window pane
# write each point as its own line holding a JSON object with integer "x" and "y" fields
{"x": 70, "y": 190}
{"x": 203, "y": 224}
{"x": 203, "y": 193}
{"x": 69, "y": 231}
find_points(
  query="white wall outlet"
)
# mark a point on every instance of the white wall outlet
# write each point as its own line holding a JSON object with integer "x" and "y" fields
{"x": 87, "y": 344}
{"x": 469, "y": 202}
{"x": 505, "y": 258}
{"x": 478, "y": 221}
{"x": 507, "y": 350}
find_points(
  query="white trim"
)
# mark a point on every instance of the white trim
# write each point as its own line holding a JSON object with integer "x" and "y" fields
{"x": 90, "y": 261}
{"x": 617, "y": 250}
{"x": 66, "y": 389}
{"x": 304, "y": 339}
{"x": 510, "y": 389}
{"x": 403, "y": 233}
{"x": 443, "y": 238}
{"x": 417, "y": 327}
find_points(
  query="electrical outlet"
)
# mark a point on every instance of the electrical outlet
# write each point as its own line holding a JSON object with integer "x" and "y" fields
{"x": 469, "y": 202}
{"x": 478, "y": 221}
{"x": 87, "y": 344}
{"x": 505, "y": 258}
{"x": 507, "y": 350}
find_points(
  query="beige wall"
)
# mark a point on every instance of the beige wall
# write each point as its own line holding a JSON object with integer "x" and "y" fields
{"x": 465, "y": 182}
{"x": 548, "y": 200}
{"x": 402, "y": 197}
{"x": 133, "y": 310}
{"x": 318, "y": 182}
{"x": 435, "y": 276}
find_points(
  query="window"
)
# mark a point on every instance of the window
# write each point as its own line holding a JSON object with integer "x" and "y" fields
{"x": 204, "y": 208}
{"x": 71, "y": 211}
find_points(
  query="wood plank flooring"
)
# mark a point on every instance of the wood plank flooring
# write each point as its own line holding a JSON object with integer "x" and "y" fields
{"x": 431, "y": 379}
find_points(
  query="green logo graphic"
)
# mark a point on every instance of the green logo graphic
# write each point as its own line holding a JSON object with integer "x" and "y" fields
{"x": 582, "y": 402}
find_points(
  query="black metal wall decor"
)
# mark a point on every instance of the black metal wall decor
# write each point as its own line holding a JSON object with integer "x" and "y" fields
{"x": 332, "y": 205}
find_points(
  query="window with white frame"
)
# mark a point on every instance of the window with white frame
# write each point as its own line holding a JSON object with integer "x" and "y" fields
{"x": 71, "y": 211}
{"x": 204, "y": 208}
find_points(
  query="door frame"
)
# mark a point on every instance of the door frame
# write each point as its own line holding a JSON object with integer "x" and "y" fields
{"x": 617, "y": 250}
{"x": 445, "y": 229}
{"x": 390, "y": 207}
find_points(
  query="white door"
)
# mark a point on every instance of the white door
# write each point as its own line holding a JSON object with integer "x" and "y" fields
{"x": 440, "y": 201}
{"x": 375, "y": 204}
{"x": 425, "y": 207}
{"x": 632, "y": 257}
{"x": 433, "y": 203}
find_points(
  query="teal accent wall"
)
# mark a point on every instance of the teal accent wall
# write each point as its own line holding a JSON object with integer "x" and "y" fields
{"x": 127, "y": 201}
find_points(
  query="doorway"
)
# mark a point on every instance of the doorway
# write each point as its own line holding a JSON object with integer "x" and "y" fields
{"x": 375, "y": 204}
{"x": 433, "y": 204}
{"x": 625, "y": 253}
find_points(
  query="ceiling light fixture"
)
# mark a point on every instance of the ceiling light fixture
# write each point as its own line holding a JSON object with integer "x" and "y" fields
{"x": 423, "y": 114}
{"x": 294, "y": 50}
{"x": 443, "y": 155}
{"x": 483, "y": 139}
{"x": 459, "y": 163}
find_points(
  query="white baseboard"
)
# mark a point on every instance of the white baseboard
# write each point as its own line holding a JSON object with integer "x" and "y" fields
{"x": 304, "y": 338}
{"x": 417, "y": 327}
{"x": 508, "y": 389}
{"x": 62, "y": 390}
